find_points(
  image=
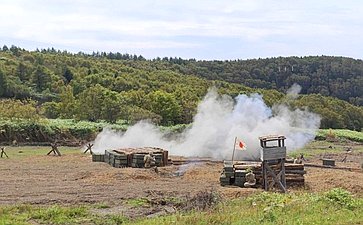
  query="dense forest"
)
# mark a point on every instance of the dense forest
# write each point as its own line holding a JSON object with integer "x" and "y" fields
{"x": 112, "y": 86}
{"x": 329, "y": 76}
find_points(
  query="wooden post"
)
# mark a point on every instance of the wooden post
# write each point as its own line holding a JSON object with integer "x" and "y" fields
{"x": 3, "y": 152}
{"x": 89, "y": 148}
{"x": 283, "y": 178}
{"x": 234, "y": 148}
{"x": 264, "y": 175}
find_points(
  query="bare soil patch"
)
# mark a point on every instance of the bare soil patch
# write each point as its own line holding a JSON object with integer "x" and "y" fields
{"x": 75, "y": 179}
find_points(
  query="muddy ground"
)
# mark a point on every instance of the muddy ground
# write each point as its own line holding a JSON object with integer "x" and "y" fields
{"x": 74, "y": 179}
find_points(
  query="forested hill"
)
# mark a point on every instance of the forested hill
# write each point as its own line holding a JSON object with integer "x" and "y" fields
{"x": 114, "y": 86}
{"x": 338, "y": 77}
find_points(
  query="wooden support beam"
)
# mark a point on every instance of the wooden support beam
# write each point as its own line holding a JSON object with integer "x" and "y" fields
{"x": 283, "y": 172}
{"x": 277, "y": 178}
{"x": 332, "y": 167}
{"x": 264, "y": 175}
{"x": 276, "y": 172}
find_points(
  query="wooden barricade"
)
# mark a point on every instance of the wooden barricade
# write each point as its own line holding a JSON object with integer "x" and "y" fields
{"x": 3, "y": 153}
{"x": 54, "y": 149}
{"x": 89, "y": 148}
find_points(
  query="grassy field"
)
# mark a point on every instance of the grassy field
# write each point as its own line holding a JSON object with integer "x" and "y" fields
{"x": 334, "y": 207}
{"x": 340, "y": 134}
{"x": 25, "y": 151}
{"x": 313, "y": 148}
{"x": 320, "y": 147}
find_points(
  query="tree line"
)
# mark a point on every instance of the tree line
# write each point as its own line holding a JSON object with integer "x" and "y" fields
{"x": 111, "y": 87}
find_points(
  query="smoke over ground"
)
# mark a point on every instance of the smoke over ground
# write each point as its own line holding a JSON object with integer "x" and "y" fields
{"x": 218, "y": 121}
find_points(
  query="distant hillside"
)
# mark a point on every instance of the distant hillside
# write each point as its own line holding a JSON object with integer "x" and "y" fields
{"x": 330, "y": 76}
{"x": 338, "y": 77}
{"x": 114, "y": 86}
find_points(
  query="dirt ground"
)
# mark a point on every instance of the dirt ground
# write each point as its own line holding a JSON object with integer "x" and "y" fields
{"x": 318, "y": 179}
{"x": 75, "y": 179}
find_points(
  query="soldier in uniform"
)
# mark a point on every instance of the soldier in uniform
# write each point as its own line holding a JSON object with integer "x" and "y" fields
{"x": 299, "y": 159}
{"x": 149, "y": 160}
{"x": 250, "y": 179}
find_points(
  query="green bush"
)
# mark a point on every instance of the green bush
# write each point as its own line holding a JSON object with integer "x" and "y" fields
{"x": 60, "y": 215}
{"x": 340, "y": 134}
{"x": 48, "y": 130}
{"x": 341, "y": 197}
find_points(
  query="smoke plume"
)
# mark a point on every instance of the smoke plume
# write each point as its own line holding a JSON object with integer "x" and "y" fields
{"x": 293, "y": 91}
{"x": 218, "y": 121}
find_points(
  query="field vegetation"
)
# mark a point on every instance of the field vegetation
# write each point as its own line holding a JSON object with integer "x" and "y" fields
{"x": 75, "y": 132}
{"x": 336, "y": 206}
{"x": 340, "y": 134}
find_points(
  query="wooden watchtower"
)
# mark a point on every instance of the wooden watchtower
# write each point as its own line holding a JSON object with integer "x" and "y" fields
{"x": 273, "y": 155}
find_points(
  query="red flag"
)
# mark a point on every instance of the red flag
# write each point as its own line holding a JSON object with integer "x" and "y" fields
{"x": 240, "y": 145}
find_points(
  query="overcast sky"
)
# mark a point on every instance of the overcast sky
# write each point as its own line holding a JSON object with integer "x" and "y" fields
{"x": 198, "y": 29}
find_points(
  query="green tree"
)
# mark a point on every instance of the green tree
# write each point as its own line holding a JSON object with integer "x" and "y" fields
{"x": 5, "y": 48}
{"x": 134, "y": 97}
{"x": 15, "y": 50}
{"x": 68, "y": 75}
{"x": 15, "y": 88}
{"x": 111, "y": 106}
{"x": 188, "y": 101}
{"x": 2, "y": 83}
{"x": 50, "y": 110}
{"x": 89, "y": 105}
{"x": 165, "y": 105}
{"x": 97, "y": 103}
{"x": 22, "y": 71}
{"x": 67, "y": 104}
{"x": 135, "y": 114}
{"x": 41, "y": 78}
{"x": 16, "y": 109}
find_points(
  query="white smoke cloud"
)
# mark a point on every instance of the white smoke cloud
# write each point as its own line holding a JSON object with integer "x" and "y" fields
{"x": 218, "y": 121}
{"x": 293, "y": 91}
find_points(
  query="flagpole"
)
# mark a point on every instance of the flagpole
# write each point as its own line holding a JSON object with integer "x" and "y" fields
{"x": 234, "y": 148}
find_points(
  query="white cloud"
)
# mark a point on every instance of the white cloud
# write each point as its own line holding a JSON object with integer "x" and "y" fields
{"x": 192, "y": 24}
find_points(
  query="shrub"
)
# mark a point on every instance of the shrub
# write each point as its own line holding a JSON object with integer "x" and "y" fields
{"x": 341, "y": 197}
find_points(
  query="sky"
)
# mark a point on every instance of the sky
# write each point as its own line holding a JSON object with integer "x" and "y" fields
{"x": 200, "y": 29}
